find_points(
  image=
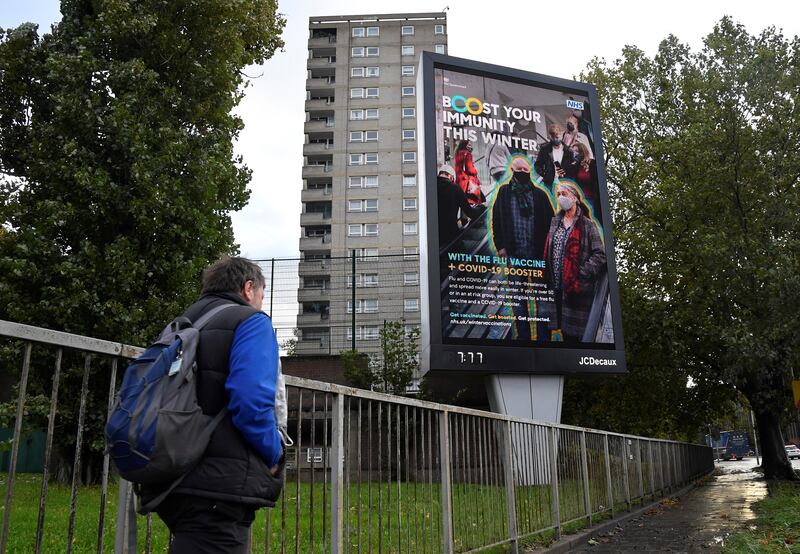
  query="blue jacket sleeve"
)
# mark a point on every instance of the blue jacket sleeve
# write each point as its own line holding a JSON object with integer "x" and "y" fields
{"x": 251, "y": 385}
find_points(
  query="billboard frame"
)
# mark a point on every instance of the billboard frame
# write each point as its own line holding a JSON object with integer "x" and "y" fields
{"x": 482, "y": 355}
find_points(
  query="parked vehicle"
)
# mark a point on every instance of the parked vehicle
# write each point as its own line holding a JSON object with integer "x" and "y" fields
{"x": 792, "y": 451}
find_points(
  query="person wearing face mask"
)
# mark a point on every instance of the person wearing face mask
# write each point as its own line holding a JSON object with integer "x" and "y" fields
{"x": 585, "y": 170}
{"x": 575, "y": 258}
{"x": 554, "y": 159}
{"x": 573, "y": 136}
{"x": 521, "y": 216}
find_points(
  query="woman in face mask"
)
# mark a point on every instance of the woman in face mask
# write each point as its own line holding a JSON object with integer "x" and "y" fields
{"x": 575, "y": 259}
{"x": 573, "y": 136}
{"x": 585, "y": 170}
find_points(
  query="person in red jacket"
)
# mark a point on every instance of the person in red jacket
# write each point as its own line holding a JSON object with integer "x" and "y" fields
{"x": 467, "y": 175}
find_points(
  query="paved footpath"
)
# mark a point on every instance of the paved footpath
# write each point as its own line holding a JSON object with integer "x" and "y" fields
{"x": 697, "y": 522}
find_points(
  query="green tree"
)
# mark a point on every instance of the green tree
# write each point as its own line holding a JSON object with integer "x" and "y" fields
{"x": 398, "y": 359}
{"x": 703, "y": 172}
{"x": 117, "y": 170}
{"x": 357, "y": 369}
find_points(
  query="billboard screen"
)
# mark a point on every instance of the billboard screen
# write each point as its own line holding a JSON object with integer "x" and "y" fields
{"x": 518, "y": 257}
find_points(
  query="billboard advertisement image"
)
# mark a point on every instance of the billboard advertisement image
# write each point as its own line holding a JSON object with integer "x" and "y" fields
{"x": 520, "y": 264}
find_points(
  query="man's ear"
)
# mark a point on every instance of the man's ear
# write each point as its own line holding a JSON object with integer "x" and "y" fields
{"x": 247, "y": 291}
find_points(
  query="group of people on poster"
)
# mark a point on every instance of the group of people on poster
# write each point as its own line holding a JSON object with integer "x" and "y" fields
{"x": 542, "y": 205}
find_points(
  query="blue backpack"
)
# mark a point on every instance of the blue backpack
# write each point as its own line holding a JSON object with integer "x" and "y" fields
{"x": 157, "y": 432}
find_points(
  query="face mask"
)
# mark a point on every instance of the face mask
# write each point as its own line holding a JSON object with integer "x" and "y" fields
{"x": 556, "y": 141}
{"x": 565, "y": 203}
{"x": 570, "y": 127}
{"x": 577, "y": 156}
{"x": 522, "y": 177}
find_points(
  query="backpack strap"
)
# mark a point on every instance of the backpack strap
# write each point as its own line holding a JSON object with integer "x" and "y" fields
{"x": 206, "y": 317}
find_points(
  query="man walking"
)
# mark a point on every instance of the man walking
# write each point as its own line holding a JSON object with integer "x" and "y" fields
{"x": 213, "y": 507}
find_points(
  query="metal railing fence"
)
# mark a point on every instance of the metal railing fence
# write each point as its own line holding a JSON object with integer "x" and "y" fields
{"x": 368, "y": 471}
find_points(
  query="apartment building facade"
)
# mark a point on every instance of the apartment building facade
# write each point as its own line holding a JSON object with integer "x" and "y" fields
{"x": 360, "y": 205}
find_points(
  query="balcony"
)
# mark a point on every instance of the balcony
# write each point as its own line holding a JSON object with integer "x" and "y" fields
{"x": 314, "y": 218}
{"x": 314, "y": 294}
{"x": 312, "y": 243}
{"x": 310, "y": 195}
{"x": 313, "y": 346}
{"x": 321, "y": 83}
{"x": 317, "y": 125}
{"x": 318, "y": 148}
{"x": 320, "y": 62}
{"x": 313, "y": 318}
{"x": 321, "y": 42}
{"x": 310, "y": 171}
{"x": 311, "y": 268}
{"x": 320, "y": 103}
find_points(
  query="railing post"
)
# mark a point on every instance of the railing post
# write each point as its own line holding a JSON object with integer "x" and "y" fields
{"x": 652, "y": 469}
{"x": 125, "y": 540}
{"x": 511, "y": 503}
{"x": 587, "y": 501}
{"x": 12, "y": 463}
{"x": 639, "y": 469}
{"x": 446, "y": 490}
{"x": 625, "y": 479}
{"x": 609, "y": 486}
{"x": 554, "y": 482}
{"x": 337, "y": 474}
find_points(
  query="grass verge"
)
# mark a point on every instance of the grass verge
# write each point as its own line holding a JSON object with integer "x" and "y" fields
{"x": 777, "y": 526}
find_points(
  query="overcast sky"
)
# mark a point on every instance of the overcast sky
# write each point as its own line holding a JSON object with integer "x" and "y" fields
{"x": 553, "y": 38}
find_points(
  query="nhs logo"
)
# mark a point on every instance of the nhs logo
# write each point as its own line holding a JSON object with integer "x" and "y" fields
{"x": 574, "y": 105}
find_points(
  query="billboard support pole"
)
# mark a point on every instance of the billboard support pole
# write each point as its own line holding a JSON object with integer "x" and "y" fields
{"x": 525, "y": 395}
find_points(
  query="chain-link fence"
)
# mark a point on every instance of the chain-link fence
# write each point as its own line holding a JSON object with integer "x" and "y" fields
{"x": 323, "y": 305}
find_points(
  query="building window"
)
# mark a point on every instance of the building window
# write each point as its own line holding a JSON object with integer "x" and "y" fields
{"x": 410, "y": 329}
{"x": 369, "y": 332}
{"x": 367, "y": 254}
{"x": 356, "y": 159}
{"x": 409, "y": 134}
{"x": 357, "y": 92}
{"x": 439, "y": 48}
{"x": 409, "y": 112}
{"x": 356, "y": 71}
{"x": 409, "y": 228}
{"x": 438, "y": 29}
{"x": 407, "y": 50}
{"x": 372, "y": 92}
{"x": 411, "y": 278}
{"x": 407, "y": 91}
{"x": 409, "y": 204}
{"x": 406, "y": 30}
{"x": 371, "y": 113}
{"x": 371, "y": 205}
{"x": 355, "y": 182}
{"x": 354, "y": 205}
{"x": 373, "y": 31}
{"x": 410, "y": 252}
{"x": 370, "y": 229}
{"x": 369, "y": 279}
{"x": 407, "y": 71}
{"x": 373, "y": 71}
{"x": 372, "y": 159}
{"x": 357, "y": 52}
{"x": 358, "y": 31}
{"x": 356, "y": 115}
{"x": 354, "y": 230}
{"x": 411, "y": 305}
{"x": 356, "y": 136}
{"x": 370, "y": 181}
{"x": 365, "y": 306}
{"x": 370, "y": 136}
{"x": 409, "y": 157}
{"x": 373, "y": 51}
{"x": 409, "y": 180}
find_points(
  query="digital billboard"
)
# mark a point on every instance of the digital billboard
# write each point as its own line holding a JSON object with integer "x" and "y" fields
{"x": 517, "y": 252}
